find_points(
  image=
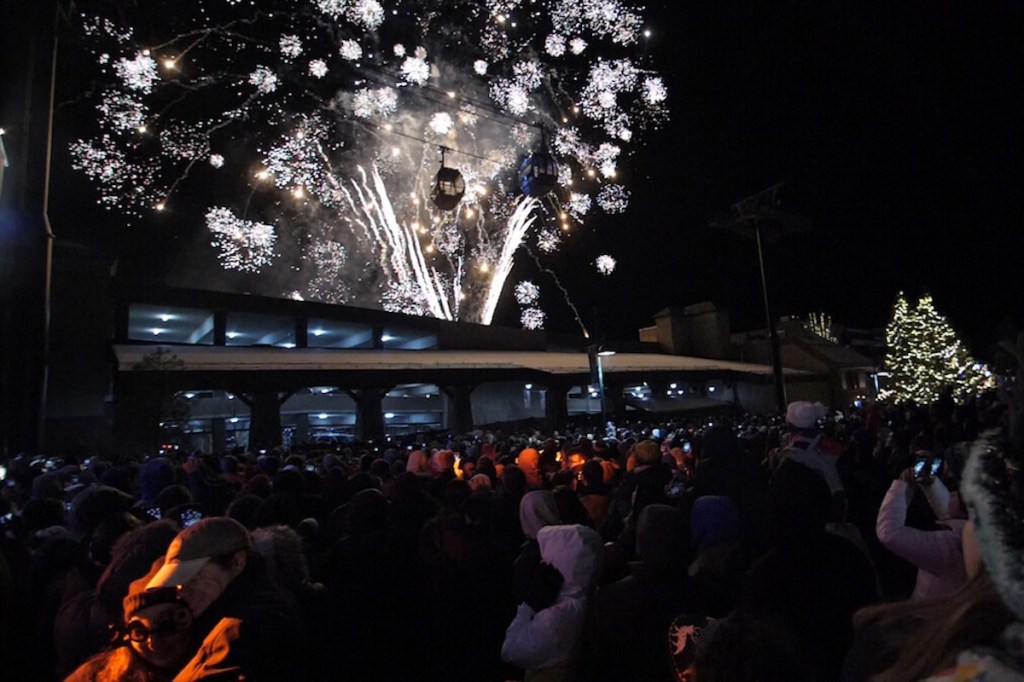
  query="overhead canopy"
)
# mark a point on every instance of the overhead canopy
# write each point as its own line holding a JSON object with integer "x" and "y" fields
{"x": 221, "y": 359}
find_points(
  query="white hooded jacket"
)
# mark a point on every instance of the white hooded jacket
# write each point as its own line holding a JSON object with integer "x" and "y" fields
{"x": 544, "y": 639}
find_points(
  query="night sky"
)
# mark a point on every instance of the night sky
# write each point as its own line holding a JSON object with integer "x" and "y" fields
{"x": 896, "y": 128}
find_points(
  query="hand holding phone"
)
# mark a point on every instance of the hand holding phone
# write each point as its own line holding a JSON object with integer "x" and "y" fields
{"x": 189, "y": 515}
{"x": 927, "y": 467}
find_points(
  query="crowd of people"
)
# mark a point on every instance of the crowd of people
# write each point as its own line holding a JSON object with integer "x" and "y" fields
{"x": 865, "y": 544}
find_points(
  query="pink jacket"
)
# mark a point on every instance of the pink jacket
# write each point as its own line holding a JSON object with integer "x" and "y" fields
{"x": 937, "y": 554}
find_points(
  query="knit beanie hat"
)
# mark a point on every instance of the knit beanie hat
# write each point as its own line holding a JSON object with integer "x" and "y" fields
{"x": 714, "y": 520}
{"x": 154, "y": 476}
{"x": 140, "y": 597}
{"x": 993, "y": 489}
{"x": 132, "y": 557}
{"x": 96, "y": 503}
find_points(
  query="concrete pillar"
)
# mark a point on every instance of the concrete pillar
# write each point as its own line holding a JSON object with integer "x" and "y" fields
{"x": 301, "y": 429}
{"x": 219, "y": 436}
{"x": 556, "y": 405}
{"x": 614, "y": 403}
{"x": 369, "y": 416}
{"x": 220, "y": 328}
{"x": 264, "y": 419}
{"x": 459, "y": 407}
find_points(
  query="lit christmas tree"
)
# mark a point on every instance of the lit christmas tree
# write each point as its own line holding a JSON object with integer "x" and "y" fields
{"x": 924, "y": 356}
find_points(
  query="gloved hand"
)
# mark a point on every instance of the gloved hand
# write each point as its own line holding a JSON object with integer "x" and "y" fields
{"x": 541, "y": 586}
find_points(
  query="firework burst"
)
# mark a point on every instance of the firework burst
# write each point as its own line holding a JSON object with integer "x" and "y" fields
{"x": 339, "y": 107}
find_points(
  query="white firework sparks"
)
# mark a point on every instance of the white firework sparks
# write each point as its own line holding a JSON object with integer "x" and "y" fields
{"x": 533, "y": 318}
{"x": 366, "y": 13}
{"x": 579, "y": 205}
{"x": 565, "y": 175}
{"x": 139, "y": 73}
{"x": 350, "y": 50}
{"x": 517, "y": 100}
{"x": 448, "y": 239}
{"x": 554, "y": 45}
{"x": 291, "y": 47}
{"x": 548, "y": 240}
{"x": 339, "y": 107}
{"x": 527, "y": 293}
{"x": 297, "y": 160}
{"x": 123, "y": 185}
{"x": 375, "y": 102}
{"x": 529, "y": 74}
{"x": 655, "y": 91}
{"x": 606, "y": 156}
{"x": 243, "y": 244}
{"x": 415, "y": 70}
{"x": 441, "y": 123}
{"x": 183, "y": 142}
{"x": 613, "y": 199}
{"x": 327, "y": 284}
{"x": 92, "y": 26}
{"x": 605, "y": 18}
{"x": 607, "y": 80}
{"x": 121, "y": 112}
{"x": 404, "y": 297}
{"x": 605, "y": 265}
{"x": 264, "y": 79}
{"x": 332, "y": 8}
{"x": 318, "y": 68}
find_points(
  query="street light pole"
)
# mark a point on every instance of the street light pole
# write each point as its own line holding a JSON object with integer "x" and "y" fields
{"x": 48, "y": 273}
{"x": 773, "y": 335}
{"x": 596, "y": 353}
{"x": 749, "y": 217}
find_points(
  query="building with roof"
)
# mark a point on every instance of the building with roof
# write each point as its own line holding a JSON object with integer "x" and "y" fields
{"x": 220, "y": 370}
{"x": 849, "y": 375}
{"x": 844, "y": 372}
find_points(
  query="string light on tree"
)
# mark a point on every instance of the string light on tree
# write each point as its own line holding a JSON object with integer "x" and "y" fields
{"x": 924, "y": 357}
{"x": 821, "y": 324}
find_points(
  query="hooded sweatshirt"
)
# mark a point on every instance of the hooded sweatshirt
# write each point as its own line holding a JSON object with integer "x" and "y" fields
{"x": 536, "y": 510}
{"x": 539, "y": 640}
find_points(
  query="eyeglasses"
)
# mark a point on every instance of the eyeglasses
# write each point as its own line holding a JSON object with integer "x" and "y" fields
{"x": 178, "y": 620}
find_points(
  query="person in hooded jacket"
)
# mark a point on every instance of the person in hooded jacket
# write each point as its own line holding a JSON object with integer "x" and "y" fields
{"x": 624, "y": 636}
{"x": 542, "y": 637}
{"x": 537, "y": 509}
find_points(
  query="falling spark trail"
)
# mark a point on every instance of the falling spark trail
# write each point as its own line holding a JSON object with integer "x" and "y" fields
{"x": 565, "y": 294}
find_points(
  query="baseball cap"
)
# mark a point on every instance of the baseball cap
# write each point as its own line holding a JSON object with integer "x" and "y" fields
{"x": 196, "y": 545}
